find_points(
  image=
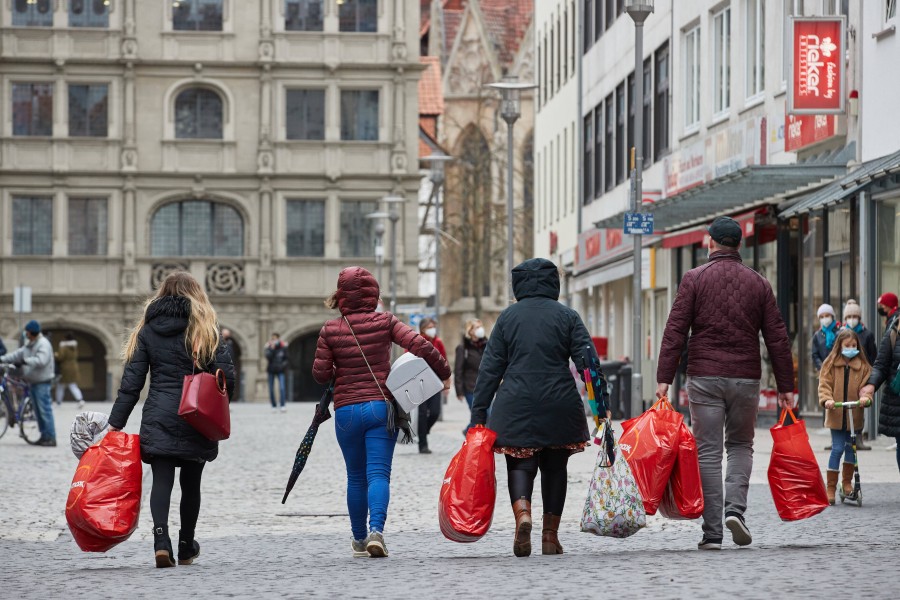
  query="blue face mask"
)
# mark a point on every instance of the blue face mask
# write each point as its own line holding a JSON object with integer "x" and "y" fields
{"x": 850, "y": 352}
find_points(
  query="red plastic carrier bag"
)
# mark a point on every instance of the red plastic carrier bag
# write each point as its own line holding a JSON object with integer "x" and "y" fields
{"x": 469, "y": 491}
{"x": 105, "y": 496}
{"x": 683, "y": 498}
{"x": 794, "y": 476}
{"x": 650, "y": 445}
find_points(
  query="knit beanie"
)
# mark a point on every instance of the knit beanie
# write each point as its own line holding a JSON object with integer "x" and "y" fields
{"x": 852, "y": 309}
{"x": 825, "y": 309}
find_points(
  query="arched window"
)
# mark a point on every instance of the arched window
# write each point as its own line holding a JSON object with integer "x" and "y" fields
{"x": 197, "y": 228}
{"x": 198, "y": 114}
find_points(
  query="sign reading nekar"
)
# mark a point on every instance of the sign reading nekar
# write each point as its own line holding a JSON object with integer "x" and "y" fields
{"x": 817, "y": 66}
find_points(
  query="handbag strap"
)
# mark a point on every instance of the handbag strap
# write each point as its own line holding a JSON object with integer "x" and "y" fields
{"x": 365, "y": 359}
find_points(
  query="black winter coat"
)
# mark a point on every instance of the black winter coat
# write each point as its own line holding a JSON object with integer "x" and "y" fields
{"x": 466, "y": 365}
{"x": 537, "y": 404}
{"x": 161, "y": 350}
{"x": 867, "y": 343}
{"x": 820, "y": 349}
{"x": 883, "y": 372}
{"x": 277, "y": 358}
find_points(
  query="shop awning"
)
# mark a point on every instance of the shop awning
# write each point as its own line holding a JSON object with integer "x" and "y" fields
{"x": 851, "y": 183}
{"x": 687, "y": 237}
{"x": 740, "y": 191}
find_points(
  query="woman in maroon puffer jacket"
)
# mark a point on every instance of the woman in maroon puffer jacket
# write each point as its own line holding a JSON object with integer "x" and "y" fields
{"x": 355, "y": 350}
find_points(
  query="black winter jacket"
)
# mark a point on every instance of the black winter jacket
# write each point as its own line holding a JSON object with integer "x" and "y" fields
{"x": 883, "y": 372}
{"x": 537, "y": 404}
{"x": 465, "y": 368}
{"x": 277, "y": 358}
{"x": 820, "y": 349}
{"x": 161, "y": 350}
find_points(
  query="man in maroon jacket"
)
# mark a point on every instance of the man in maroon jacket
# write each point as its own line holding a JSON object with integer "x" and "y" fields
{"x": 724, "y": 305}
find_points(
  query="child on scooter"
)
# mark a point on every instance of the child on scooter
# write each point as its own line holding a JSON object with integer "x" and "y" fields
{"x": 845, "y": 370}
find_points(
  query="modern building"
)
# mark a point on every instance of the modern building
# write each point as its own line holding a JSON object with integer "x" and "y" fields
{"x": 244, "y": 142}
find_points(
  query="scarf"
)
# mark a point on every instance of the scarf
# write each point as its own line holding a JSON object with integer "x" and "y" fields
{"x": 830, "y": 334}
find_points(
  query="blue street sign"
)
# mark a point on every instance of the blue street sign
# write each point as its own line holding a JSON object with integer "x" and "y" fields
{"x": 638, "y": 224}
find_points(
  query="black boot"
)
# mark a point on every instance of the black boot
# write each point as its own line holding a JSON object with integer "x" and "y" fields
{"x": 188, "y": 548}
{"x": 162, "y": 546}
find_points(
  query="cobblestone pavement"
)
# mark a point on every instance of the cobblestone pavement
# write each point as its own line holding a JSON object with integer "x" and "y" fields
{"x": 253, "y": 546}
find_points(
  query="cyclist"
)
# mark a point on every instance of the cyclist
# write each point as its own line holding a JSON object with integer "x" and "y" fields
{"x": 37, "y": 358}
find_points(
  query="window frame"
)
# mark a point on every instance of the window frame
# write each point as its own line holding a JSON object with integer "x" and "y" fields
{"x": 587, "y": 179}
{"x": 609, "y": 143}
{"x": 287, "y": 107}
{"x": 33, "y": 10}
{"x": 102, "y": 237}
{"x": 52, "y": 108}
{"x": 17, "y": 220}
{"x": 89, "y": 5}
{"x": 344, "y": 238}
{"x": 89, "y": 85}
{"x": 215, "y": 204}
{"x": 721, "y": 63}
{"x": 755, "y": 55}
{"x": 314, "y": 231}
{"x": 692, "y": 83}
{"x": 198, "y": 88}
{"x": 378, "y": 95}
{"x": 662, "y": 122}
{"x": 286, "y": 12}
{"x": 224, "y": 6}
{"x": 345, "y": 3}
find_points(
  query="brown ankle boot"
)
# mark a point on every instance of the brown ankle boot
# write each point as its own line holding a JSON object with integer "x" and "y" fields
{"x": 847, "y": 470}
{"x": 549, "y": 541}
{"x": 831, "y": 485}
{"x": 522, "y": 541}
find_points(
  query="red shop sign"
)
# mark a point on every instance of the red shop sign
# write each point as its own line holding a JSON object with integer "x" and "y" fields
{"x": 817, "y": 66}
{"x": 805, "y": 130}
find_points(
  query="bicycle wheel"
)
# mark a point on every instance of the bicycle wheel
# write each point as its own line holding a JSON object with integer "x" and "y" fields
{"x": 4, "y": 416}
{"x": 28, "y": 426}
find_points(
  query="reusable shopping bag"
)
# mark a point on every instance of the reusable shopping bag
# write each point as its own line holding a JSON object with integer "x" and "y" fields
{"x": 466, "y": 506}
{"x": 105, "y": 496}
{"x": 794, "y": 475}
{"x": 613, "y": 507}
{"x": 683, "y": 498}
{"x": 650, "y": 444}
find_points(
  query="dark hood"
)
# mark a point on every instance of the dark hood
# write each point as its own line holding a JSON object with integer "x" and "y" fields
{"x": 357, "y": 291}
{"x": 536, "y": 277}
{"x": 168, "y": 315}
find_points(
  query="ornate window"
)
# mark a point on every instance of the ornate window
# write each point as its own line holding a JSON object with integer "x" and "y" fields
{"x": 32, "y": 13}
{"x": 303, "y": 15}
{"x": 305, "y": 228}
{"x": 89, "y": 13}
{"x": 358, "y": 15}
{"x": 359, "y": 115}
{"x": 198, "y": 114}
{"x": 32, "y": 109}
{"x": 197, "y": 15}
{"x": 88, "y": 225}
{"x": 197, "y": 228}
{"x": 32, "y": 225}
{"x": 88, "y": 110}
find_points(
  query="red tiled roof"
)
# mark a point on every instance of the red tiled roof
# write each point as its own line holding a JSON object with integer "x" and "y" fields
{"x": 507, "y": 21}
{"x": 431, "y": 93}
{"x": 452, "y": 21}
{"x": 427, "y": 129}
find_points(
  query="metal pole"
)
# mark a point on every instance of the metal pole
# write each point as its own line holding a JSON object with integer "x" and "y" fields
{"x": 637, "y": 388}
{"x": 437, "y": 252}
{"x": 509, "y": 208}
{"x": 394, "y": 218}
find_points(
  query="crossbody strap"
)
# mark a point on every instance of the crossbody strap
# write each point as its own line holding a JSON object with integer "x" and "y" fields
{"x": 365, "y": 359}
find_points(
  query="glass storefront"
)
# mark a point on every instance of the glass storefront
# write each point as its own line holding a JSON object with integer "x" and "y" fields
{"x": 887, "y": 252}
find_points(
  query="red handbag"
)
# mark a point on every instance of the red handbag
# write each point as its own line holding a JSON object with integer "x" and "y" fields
{"x": 204, "y": 404}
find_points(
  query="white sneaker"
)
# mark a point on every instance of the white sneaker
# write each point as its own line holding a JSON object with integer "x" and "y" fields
{"x": 284, "y": 409}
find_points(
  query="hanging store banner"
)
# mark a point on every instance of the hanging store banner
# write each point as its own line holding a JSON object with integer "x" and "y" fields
{"x": 807, "y": 130}
{"x": 817, "y": 67}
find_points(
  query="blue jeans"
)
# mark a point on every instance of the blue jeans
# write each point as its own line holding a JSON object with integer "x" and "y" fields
{"x": 840, "y": 444}
{"x": 272, "y": 377}
{"x": 43, "y": 409}
{"x": 368, "y": 450}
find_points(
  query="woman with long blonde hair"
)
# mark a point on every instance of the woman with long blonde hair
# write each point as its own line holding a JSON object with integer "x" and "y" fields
{"x": 176, "y": 335}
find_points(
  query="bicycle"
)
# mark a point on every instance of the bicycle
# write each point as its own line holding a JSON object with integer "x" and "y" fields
{"x": 15, "y": 412}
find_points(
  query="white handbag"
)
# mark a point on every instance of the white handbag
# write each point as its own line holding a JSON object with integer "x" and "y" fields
{"x": 412, "y": 381}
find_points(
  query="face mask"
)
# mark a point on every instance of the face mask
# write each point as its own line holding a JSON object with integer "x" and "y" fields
{"x": 882, "y": 311}
{"x": 850, "y": 352}
{"x": 826, "y": 322}
{"x": 431, "y": 332}
{"x": 852, "y": 322}
{"x": 479, "y": 333}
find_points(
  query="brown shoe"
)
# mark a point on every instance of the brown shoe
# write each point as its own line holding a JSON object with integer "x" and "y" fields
{"x": 549, "y": 541}
{"x": 847, "y": 470}
{"x": 831, "y": 479}
{"x": 522, "y": 541}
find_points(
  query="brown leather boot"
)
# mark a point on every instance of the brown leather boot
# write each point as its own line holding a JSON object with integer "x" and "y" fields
{"x": 549, "y": 542}
{"x": 522, "y": 541}
{"x": 847, "y": 470}
{"x": 831, "y": 479}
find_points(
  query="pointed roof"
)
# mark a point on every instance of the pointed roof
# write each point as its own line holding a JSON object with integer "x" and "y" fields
{"x": 507, "y": 22}
{"x": 431, "y": 94}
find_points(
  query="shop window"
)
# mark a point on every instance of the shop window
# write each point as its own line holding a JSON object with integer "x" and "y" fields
{"x": 198, "y": 114}
{"x": 305, "y": 116}
{"x": 88, "y": 225}
{"x": 357, "y": 232}
{"x": 305, "y": 228}
{"x": 303, "y": 15}
{"x": 32, "y": 226}
{"x": 197, "y": 228}
{"x": 32, "y": 109}
{"x": 32, "y": 13}
{"x": 358, "y": 15}
{"x": 88, "y": 110}
{"x": 359, "y": 115}
{"x": 89, "y": 13}
{"x": 197, "y": 15}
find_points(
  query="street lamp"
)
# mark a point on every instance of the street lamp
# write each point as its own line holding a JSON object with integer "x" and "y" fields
{"x": 379, "y": 218}
{"x": 510, "y": 110}
{"x": 437, "y": 162}
{"x": 392, "y": 200}
{"x": 638, "y": 10}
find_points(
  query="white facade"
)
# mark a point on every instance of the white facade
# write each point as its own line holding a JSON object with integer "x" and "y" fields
{"x": 880, "y": 43}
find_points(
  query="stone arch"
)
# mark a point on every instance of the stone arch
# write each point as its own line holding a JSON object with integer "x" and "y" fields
{"x": 97, "y": 352}
{"x": 301, "y": 387}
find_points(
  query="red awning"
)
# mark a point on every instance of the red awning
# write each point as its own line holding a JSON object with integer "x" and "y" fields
{"x": 688, "y": 237}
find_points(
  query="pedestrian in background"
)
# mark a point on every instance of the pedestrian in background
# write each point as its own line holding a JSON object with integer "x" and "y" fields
{"x": 844, "y": 372}
{"x": 354, "y": 351}
{"x": 537, "y": 412}
{"x": 884, "y": 370}
{"x": 36, "y": 358}
{"x": 853, "y": 322}
{"x": 277, "y": 358}
{"x": 823, "y": 339}
{"x": 67, "y": 358}
{"x": 887, "y": 308}
{"x": 430, "y": 410}
{"x": 724, "y": 305}
{"x": 468, "y": 361}
{"x": 177, "y": 335}
{"x": 235, "y": 351}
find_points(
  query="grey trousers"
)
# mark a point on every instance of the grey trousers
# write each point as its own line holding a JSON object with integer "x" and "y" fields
{"x": 723, "y": 414}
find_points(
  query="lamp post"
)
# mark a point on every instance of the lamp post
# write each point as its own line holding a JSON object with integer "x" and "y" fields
{"x": 437, "y": 161}
{"x": 392, "y": 200}
{"x": 378, "y": 217}
{"x": 510, "y": 110}
{"x": 638, "y": 10}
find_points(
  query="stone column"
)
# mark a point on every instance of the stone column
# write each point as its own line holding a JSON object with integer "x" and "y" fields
{"x": 129, "y": 276}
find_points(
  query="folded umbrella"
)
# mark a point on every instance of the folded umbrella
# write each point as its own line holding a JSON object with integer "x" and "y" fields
{"x": 322, "y": 415}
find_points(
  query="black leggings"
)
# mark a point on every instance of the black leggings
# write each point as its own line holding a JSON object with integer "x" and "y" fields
{"x": 161, "y": 493}
{"x": 552, "y": 464}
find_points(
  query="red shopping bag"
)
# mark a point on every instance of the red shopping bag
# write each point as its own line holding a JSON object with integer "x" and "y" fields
{"x": 650, "y": 444}
{"x": 105, "y": 496}
{"x": 466, "y": 506}
{"x": 683, "y": 498}
{"x": 794, "y": 476}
